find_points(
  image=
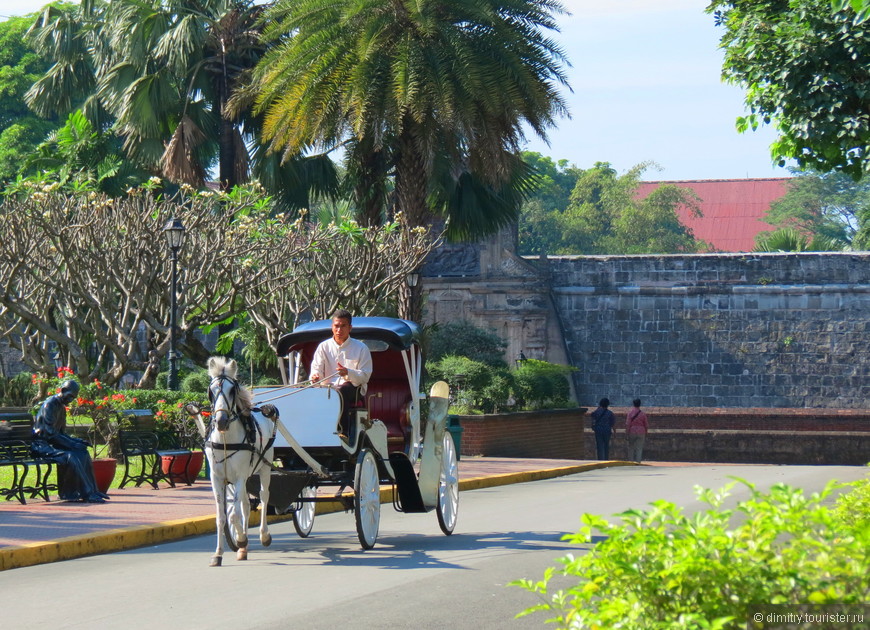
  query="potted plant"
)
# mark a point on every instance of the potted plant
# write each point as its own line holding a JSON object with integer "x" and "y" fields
{"x": 185, "y": 435}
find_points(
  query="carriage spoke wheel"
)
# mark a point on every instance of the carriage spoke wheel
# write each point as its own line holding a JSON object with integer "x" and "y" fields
{"x": 448, "y": 487}
{"x": 367, "y": 498}
{"x": 303, "y": 516}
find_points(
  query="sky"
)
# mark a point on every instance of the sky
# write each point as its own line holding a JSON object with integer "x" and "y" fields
{"x": 645, "y": 86}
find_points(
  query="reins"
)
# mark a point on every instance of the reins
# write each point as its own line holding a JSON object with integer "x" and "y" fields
{"x": 298, "y": 387}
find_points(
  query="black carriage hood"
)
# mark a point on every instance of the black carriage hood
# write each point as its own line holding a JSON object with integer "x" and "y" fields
{"x": 399, "y": 334}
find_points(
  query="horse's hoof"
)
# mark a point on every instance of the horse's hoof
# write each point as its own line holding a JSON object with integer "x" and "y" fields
{"x": 242, "y": 553}
{"x": 215, "y": 561}
{"x": 266, "y": 540}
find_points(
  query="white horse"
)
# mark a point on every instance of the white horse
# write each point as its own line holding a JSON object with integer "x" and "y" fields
{"x": 234, "y": 455}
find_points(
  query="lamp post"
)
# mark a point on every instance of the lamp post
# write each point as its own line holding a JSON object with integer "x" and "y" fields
{"x": 411, "y": 299}
{"x": 174, "y": 233}
{"x": 408, "y": 302}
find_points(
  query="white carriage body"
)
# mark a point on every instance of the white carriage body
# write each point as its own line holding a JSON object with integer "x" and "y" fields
{"x": 310, "y": 413}
{"x": 388, "y": 445}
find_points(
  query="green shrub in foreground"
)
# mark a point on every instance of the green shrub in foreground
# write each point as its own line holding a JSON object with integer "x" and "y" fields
{"x": 659, "y": 568}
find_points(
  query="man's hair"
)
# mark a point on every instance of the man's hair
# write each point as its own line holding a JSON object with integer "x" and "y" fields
{"x": 343, "y": 314}
{"x": 604, "y": 402}
{"x": 636, "y": 402}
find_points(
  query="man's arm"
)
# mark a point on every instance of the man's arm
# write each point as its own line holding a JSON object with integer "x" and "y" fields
{"x": 318, "y": 364}
{"x": 363, "y": 371}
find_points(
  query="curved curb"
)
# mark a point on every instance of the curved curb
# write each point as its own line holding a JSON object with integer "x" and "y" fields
{"x": 167, "y": 531}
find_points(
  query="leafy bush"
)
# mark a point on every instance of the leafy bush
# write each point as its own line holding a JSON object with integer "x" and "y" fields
{"x": 17, "y": 391}
{"x": 658, "y": 568}
{"x": 538, "y": 384}
{"x": 467, "y": 340}
{"x": 473, "y": 384}
{"x": 196, "y": 382}
{"x": 853, "y": 508}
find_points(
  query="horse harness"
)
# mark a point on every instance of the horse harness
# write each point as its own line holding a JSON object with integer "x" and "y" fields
{"x": 252, "y": 429}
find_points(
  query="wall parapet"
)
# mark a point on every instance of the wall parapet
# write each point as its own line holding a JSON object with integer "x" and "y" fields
{"x": 760, "y": 435}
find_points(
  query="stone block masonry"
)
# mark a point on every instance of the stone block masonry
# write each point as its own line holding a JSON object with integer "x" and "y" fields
{"x": 717, "y": 330}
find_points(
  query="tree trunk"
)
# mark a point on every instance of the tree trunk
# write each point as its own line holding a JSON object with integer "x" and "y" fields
{"x": 411, "y": 178}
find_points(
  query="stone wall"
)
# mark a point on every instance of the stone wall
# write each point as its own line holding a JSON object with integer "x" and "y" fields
{"x": 708, "y": 330}
{"x": 758, "y": 436}
{"x": 721, "y": 330}
{"x": 555, "y": 434}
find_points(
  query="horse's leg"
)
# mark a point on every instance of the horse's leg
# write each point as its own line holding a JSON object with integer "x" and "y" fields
{"x": 219, "y": 490}
{"x": 265, "y": 480}
{"x": 242, "y": 513}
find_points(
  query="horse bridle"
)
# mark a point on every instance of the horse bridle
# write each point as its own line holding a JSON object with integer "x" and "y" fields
{"x": 233, "y": 413}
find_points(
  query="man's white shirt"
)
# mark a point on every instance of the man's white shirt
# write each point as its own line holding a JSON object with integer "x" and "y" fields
{"x": 352, "y": 354}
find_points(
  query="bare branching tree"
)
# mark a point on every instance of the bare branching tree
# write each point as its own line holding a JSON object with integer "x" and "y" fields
{"x": 86, "y": 277}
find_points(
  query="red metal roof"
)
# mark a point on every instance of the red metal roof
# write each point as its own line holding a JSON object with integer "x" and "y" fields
{"x": 733, "y": 209}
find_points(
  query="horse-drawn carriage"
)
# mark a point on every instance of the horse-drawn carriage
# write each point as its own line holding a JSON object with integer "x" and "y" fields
{"x": 386, "y": 444}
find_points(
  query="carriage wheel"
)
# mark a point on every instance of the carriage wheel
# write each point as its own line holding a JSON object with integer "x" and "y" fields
{"x": 367, "y": 498}
{"x": 448, "y": 487}
{"x": 303, "y": 516}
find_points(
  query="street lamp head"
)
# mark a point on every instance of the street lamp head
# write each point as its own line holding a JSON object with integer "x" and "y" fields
{"x": 174, "y": 233}
{"x": 412, "y": 279}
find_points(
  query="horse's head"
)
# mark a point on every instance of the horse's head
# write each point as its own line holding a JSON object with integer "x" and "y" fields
{"x": 227, "y": 397}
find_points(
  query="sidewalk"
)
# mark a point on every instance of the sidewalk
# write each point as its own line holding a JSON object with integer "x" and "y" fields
{"x": 42, "y": 532}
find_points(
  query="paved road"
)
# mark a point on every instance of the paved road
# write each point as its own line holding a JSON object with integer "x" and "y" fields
{"x": 414, "y": 578}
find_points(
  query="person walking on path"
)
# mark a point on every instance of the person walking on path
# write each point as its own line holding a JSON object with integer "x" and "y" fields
{"x": 636, "y": 428}
{"x": 603, "y": 426}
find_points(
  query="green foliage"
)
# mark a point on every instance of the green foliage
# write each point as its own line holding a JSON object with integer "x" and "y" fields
{"x": 462, "y": 338}
{"x": 196, "y": 382}
{"x": 16, "y": 391}
{"x": 658, "y": 568}
{"x": 789, "y": 239}
{"x": 538, "y": 230}
{"x": 827, "y": 208}
{"x": 853, "y": 507}
{"x": 803, "y": 70}
{"x": 435, "y": 97}
{"x": 475, "y": 386}
{"x": 20, "y": 129}
{"x": 538, "y": 384}
{"x": 604, "y": 216}
{"x": 78, "y": 154}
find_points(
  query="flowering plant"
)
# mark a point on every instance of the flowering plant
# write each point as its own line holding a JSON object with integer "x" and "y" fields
{"x": 175, "y": 418}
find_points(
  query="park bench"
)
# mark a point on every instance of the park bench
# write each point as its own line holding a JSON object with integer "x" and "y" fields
{"x": 144, "y": 448}
{"x": 16, "y": 435}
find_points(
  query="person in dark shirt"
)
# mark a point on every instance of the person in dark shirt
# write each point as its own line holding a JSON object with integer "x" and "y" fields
{"x": 603, "y": 425}
{"x": 77, "y": 483}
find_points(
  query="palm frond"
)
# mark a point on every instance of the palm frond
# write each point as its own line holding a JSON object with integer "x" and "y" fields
{"x": 178, "y": 163}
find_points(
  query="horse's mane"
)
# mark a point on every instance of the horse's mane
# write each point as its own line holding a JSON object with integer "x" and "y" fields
{"x": 221, "y": 366}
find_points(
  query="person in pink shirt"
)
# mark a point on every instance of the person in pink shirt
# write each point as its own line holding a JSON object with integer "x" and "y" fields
{"x": 636, "y": 428}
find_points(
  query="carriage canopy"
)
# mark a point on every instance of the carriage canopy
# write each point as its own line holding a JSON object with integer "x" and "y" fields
{"x": 398, "y": 334}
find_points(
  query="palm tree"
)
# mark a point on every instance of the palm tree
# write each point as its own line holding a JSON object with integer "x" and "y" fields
{"x": 789, "y": 239}
{"x": 435, "y": 93}
{"x": 161, "y": 72}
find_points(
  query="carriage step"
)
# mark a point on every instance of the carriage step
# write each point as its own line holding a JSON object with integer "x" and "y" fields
{"x": 410, "y": 499}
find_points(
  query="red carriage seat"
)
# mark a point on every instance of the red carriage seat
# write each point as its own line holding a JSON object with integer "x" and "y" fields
{"x": 388, "y": 396}
{"x": 389, "y": 401}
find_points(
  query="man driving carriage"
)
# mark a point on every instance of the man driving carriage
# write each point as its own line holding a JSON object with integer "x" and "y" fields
{"x": 346, "y": 364}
